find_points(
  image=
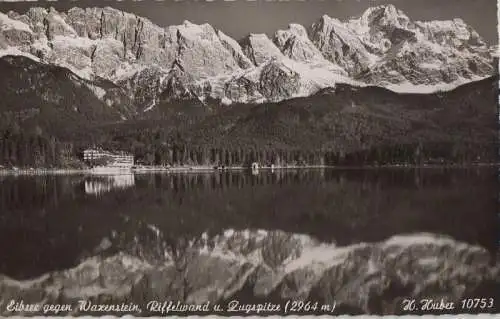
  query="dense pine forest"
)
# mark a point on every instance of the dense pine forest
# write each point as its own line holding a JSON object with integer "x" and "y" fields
{"x": 151, "y": 148}
{"x": 18, "y": 149}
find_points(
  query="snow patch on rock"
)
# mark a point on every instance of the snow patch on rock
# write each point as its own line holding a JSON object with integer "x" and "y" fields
{"x": 7, "y": 23}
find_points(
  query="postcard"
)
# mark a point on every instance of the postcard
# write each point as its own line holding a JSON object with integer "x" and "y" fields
{"x": 249, "y": 158}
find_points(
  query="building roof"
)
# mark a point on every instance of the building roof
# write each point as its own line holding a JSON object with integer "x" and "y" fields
{"x": 107, "y": 152}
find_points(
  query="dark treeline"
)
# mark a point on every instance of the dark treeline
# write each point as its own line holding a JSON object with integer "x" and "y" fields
{"x": 177, "y": 152}
{"x": 24, "y": 149}
{"x": 419, "y": 153}
{"x": 157, "y": 146}
{"x": 160, "y": 147}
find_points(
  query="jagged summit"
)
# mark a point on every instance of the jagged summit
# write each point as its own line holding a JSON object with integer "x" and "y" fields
{"x": 326, "y": 17}
{"x": 294, "y": 43}
{"x": 387, "y": 11}
{"x": 382, "y": 47}
{"x": 260, "y": 49}
{"x": 296, "y": 26}
{"x": 326, "y": 20}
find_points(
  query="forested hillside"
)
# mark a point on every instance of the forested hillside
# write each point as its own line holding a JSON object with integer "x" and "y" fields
{"x": 57, "y": 115}
{"x": 346, "y": 126}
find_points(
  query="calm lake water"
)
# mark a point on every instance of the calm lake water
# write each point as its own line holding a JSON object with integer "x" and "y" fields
{"x": 50, "y": 223}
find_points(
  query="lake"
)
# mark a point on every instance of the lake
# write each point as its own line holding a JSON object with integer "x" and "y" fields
{"x": 286, "y": 234}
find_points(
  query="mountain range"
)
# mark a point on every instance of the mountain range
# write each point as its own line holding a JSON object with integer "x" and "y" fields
{"x": 150, "y": 64}
{"x": 371, "y": 89}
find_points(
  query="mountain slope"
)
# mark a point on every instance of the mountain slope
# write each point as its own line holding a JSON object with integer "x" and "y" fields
{"x": 343, "y": 120}
{"x": 385, "y": 47}
{"x": 347, "y": 125}
{"x": 55, "y": 98}
{"x": 382, "y": 47}
{"x": 348, "y": 119}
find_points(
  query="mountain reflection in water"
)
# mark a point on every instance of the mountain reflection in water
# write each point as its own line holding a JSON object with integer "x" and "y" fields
{"x": 252, "y": 265}
{"x": 362, "y": 235}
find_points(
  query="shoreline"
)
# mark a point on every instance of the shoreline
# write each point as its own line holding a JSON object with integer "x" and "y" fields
{"x": 45, "y": 171}
{"x": 208, "y": 169}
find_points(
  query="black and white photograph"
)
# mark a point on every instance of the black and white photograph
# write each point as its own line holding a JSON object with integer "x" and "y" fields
{"x": 237, "y": 157}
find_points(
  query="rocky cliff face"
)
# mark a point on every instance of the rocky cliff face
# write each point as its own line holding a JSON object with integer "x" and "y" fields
{"x": 251, "y": 264}
{"x": 381, "y": 47}
{"x": 384, "y": 47}
{"x": 295, "y": 44}
{"x": 341, "y": 45}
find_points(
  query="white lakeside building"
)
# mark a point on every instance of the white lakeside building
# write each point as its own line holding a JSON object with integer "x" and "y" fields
{"x": 119, "y": 160}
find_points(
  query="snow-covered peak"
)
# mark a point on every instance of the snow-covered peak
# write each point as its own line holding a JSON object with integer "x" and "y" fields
{"x": 382, "y": 46}
{"x": 327, "y": 25}
{"x": 197, "y": 32}
{"x": 495, "y": 51}
{"x": 385, "y": 15}
{"x": 340, "y": 45}
{"x": 455, "y": 33}
{"x": 295, "y": 44}
{"x": 327, "y": 22}
{"x": 260, "y": 49}
{"x": 201, "y": 52}
{"x": 235, "y": 49}
{"x": 297, "y": 29}
{"x": 56, "y": 25}
{"x": 7, "y": 23}
{"x": 326, "y": 18}
{"x": 294, "y": 30}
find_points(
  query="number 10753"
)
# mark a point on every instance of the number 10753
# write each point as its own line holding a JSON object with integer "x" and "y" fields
{"x": 477, "y": 303}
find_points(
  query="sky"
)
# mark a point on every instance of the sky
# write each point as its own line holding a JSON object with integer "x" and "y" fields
{"x": 237, "y": 18}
